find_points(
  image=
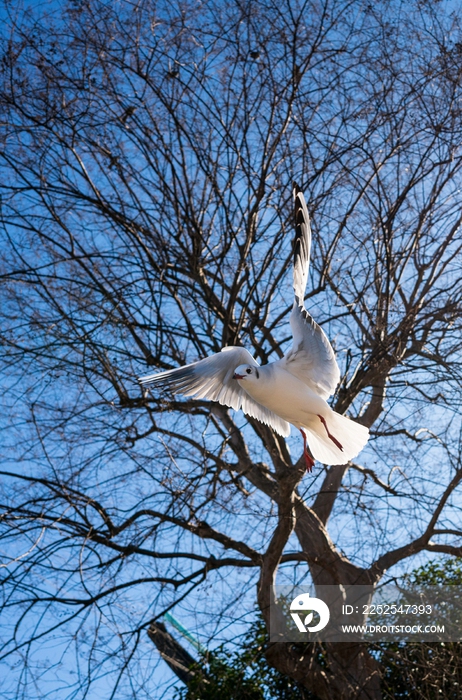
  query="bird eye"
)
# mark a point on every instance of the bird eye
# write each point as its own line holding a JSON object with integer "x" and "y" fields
{"x": 248, "y": 370}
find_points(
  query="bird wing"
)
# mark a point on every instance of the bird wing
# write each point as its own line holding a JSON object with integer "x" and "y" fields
{"x": 311, "y": 357}
{"x": 212, "y": 378}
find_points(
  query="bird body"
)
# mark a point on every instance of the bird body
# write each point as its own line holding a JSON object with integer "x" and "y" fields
{"x": 333, "y": 439}
{"x": 293, "y": 389}
{"x": 284, "y": 394}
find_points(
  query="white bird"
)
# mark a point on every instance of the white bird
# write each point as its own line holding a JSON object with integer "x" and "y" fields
{"x": 293, "y": 389}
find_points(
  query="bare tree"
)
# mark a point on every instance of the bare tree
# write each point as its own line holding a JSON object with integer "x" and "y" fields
{"x": 147, "y": 156}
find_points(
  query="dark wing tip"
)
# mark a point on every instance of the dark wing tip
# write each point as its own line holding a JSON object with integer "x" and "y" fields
{"x": 299, "y": 216}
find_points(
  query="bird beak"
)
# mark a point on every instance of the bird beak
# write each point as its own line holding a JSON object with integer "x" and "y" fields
{"x": 238, "y": 376}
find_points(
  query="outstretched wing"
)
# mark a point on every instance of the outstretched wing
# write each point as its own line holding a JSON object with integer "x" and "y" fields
{"x": 212, "y": 379}
{"x": 311, "y": 358}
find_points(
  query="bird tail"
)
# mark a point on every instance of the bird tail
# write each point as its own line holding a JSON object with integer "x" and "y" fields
{"x": 335, "y": 439}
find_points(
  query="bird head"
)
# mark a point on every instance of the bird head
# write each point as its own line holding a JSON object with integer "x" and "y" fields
{"x": 246, "y": 372}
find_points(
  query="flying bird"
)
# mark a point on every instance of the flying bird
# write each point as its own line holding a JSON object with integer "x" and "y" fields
{"x": 293, "y": 389}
